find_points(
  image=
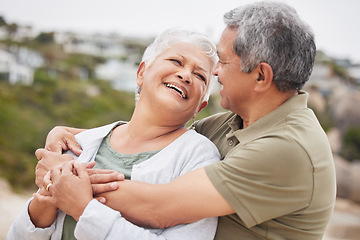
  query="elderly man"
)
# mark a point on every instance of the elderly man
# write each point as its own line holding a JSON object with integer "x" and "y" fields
{"x": 276, "y": 179}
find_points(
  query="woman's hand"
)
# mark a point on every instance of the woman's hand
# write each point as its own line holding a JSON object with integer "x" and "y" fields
{"x": 42, "y": 215}
{"x": 70, "y": 188}
{"x": 47, "y": 161}
{"x": 60, "y": 139}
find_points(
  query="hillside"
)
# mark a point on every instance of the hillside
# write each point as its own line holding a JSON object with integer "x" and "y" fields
{"x": 27, "y": 113}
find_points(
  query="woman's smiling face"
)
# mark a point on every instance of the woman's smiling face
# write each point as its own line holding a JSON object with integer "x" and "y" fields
{"x": 177, "y": 80}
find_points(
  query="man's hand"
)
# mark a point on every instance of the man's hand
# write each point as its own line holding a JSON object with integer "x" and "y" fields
{"x": 103, "y": 181}
{"x": 47, "y": 161}
{"x": 60, "y": 139}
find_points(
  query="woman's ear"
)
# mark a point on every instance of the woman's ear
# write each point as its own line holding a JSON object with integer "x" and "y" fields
{"x": 140, "y": 74}
{"x": 265, "y": 77}
{"x": 202, "y": 106}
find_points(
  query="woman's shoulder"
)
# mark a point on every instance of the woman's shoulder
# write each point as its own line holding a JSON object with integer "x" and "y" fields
{"x": 91, "y": 134}
{"x": 197, "y": 142}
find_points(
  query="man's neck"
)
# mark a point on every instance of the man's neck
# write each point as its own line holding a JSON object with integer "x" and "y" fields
{"x": 265, "y": 104}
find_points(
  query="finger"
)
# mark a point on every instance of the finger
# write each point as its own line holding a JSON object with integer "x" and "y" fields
{"x": 55, "y": 173}
{"x": 68, "y": 168}
{"x": 103, "y": 188}
{"x": 47, "y": 179}
{"x": 56, "y": 147}
{"x": 90, "y": 164}
{"x": 39, "y": 173}
{"x": 101, "y": 199}
{"x": 73, "y": 145}
{"x": 44, "y": 199}
{"x": 42, "y": 191}
{"x": 80, "y": 169}
{"x": 106, "y": 178}
{"x": 67, "y": 157}
{"x": 39, "y": 153}
{"x": 100, "y": 171}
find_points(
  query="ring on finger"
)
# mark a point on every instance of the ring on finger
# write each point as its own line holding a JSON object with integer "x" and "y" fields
{"x": 48, "y": 186}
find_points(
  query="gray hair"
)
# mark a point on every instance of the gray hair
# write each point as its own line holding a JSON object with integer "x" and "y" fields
{"x": 272, "y": 32}
{"x": 177, "y": 35}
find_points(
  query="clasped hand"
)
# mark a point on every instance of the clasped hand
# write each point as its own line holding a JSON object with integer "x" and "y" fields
{"x": 70, "y": 186}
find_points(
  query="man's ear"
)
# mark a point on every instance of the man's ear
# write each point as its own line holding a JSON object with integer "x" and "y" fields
{"x": 140, "y": 74}
{"x": 265, "y": 77}
{"x": 202, "y": 106}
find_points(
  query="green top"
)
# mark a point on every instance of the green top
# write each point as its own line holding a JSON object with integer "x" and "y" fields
{"x": 277, "y": 174}
{"x": 108, "y": 158}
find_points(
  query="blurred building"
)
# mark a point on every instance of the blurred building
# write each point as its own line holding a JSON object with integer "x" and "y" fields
{"x": 18, "y": 67}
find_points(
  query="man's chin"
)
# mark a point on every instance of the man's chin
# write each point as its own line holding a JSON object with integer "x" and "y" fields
{"x": 224, "y": 104}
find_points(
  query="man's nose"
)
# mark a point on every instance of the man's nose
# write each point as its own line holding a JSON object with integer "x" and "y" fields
{"x": 215, "y": 70}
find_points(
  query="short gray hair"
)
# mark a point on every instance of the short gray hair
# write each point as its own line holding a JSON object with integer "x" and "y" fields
{"x": 272, "y": 32}
{"x": 178, "y": 35}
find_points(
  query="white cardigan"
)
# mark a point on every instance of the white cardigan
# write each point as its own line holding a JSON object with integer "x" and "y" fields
{"x": 188, "y": 152}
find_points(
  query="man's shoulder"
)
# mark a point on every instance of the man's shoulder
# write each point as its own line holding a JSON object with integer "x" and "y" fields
{"x": 217, "y": 119}
{"x": 213, "y": 123}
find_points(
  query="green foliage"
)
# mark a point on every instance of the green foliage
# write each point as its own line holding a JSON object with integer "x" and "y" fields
{"x": 324, "y": 118}
{"x": 351, "y": 148}
{"x": 84, "y": 61}
{"x": 2, "y": 21}
{"x": 45, "y": 38}
{"x": 338, "y": 70}
{"x": 28, "y": 113}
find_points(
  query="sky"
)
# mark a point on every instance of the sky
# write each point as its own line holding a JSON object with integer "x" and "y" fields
{"x": 336, "y": 24}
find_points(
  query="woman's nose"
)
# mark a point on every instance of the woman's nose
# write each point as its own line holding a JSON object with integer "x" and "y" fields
{"x": 185, "y": 76}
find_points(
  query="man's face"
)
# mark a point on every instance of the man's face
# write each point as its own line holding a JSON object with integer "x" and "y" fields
{"x": 236, "y": 85}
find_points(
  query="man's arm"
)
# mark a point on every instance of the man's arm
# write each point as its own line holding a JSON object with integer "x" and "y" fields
{"x": 189, "y": 198}
{"x": 61, "y": 138}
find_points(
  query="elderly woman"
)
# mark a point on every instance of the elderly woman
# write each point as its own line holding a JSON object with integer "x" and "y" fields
{"x": 174, "y": 81}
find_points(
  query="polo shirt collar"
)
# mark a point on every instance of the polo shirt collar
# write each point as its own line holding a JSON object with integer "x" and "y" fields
{"x": 262, "y": 125}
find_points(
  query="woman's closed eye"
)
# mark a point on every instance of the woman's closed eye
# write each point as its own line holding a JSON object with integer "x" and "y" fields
{"x": 180, "y": 63}
{"x": 175, "y": 61}
{"x": 200, "y": 76}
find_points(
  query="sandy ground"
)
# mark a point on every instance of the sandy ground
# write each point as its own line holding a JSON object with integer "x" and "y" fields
{"x": 344, "y": 224}
{"x": 10, "y": 206}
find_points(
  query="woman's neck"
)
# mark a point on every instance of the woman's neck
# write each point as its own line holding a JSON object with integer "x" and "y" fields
{"x": 144, "y": 132}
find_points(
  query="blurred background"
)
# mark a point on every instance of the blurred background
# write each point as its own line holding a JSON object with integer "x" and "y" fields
{"x": 74, "y": 63}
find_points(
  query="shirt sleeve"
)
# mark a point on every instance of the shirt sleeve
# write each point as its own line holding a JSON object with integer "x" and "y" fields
{"x": 101, "y": 222}
{"x": 264, "y": 179}
{"x": 23, "y": 229}
{"x": 200, "y": 153}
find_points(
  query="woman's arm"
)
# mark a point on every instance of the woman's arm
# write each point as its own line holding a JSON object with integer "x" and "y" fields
{"x": 42, "y": 215}
{"x": 35, "y": 222}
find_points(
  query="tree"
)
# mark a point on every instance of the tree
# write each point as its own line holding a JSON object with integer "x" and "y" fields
{"x": 351, "y": 149}
{"x": 12, "y": 29}
{"x": 45, "y": 38}
{"x": 2, "y": 21}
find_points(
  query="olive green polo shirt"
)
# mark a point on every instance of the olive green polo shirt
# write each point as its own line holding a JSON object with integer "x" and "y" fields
{"x": 277, "y": 174}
